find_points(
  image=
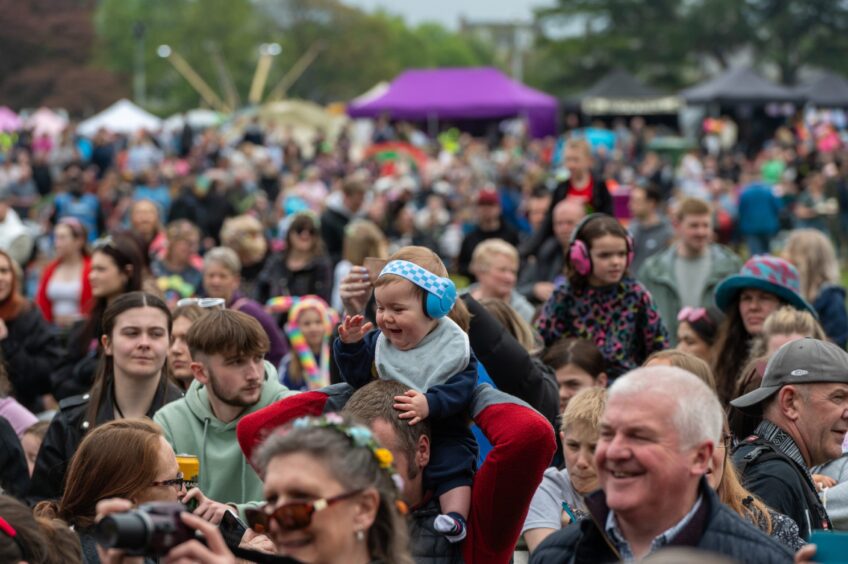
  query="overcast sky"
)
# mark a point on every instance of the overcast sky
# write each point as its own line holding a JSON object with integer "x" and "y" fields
{"x": 447, "y": 12}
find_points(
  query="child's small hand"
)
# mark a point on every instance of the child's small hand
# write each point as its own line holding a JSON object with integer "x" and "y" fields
{"x": 413, "y": 405}
{"x": 354, "y": 329}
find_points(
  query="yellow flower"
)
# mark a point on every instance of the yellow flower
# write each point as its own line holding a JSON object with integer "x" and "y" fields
{"x": 384, "y": 457}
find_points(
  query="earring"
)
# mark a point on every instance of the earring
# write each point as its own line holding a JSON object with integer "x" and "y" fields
{"x": 360, "y": 535}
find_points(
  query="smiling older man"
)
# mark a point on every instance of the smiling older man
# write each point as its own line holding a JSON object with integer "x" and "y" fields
{"x": 657, "y": 436}
{"x": 803, "y": 399}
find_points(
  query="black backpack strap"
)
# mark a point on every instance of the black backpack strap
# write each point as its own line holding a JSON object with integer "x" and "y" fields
{"x": 765, "y": 451}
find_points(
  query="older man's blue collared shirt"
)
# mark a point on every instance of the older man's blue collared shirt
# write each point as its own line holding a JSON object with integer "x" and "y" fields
{"x": 660, "y": 541}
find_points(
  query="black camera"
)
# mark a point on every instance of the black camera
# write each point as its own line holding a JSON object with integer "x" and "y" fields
{"x": 152, "y": 529}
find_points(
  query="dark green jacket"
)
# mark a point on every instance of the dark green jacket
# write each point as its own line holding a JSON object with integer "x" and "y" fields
{"x": 657, "y": 275}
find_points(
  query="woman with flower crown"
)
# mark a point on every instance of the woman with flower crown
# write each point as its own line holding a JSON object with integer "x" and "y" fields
{"x": 332, "y": 497}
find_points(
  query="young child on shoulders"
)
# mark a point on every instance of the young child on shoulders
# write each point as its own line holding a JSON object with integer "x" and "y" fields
{"x": 418, "y": 345}
{"x": 600, "y": 302}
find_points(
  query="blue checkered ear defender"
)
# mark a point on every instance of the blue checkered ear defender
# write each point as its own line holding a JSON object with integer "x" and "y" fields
{"x": 439, "y": 293}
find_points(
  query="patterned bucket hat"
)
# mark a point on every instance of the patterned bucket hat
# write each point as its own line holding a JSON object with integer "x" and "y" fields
{"x": 769, "y": 274}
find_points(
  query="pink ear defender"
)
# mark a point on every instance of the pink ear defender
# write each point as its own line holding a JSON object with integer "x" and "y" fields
{"x": 578, "y": 251}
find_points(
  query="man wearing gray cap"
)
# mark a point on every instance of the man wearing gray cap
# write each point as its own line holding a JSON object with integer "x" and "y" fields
{"x": 803, "y": 400}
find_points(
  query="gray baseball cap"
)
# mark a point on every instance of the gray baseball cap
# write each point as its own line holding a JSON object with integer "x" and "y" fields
{"x": 805, "y": 361}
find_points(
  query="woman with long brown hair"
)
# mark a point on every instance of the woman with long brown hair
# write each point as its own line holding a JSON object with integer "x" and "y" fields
{"x": 125, "y": 458}
{"x": 763, "y": 285}
{"x": 131, "y": 381}
{"x": 29, "y": 345}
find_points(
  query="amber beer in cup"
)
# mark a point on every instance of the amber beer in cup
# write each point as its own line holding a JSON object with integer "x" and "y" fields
{"x": 190, "y": 468}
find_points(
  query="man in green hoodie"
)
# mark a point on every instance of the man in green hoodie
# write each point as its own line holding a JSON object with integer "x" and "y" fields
{"x": 231, "y": 380}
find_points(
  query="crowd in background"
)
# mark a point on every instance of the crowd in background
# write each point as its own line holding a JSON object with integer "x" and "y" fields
{"x": 577, "y": 262}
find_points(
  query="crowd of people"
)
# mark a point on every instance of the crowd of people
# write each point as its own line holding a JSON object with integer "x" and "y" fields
{"x": 516, "y": 348}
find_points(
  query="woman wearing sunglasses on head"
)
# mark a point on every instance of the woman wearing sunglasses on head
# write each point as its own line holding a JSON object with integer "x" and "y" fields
{"x": 126, "y": 458}
{"x": 697, "y": 330}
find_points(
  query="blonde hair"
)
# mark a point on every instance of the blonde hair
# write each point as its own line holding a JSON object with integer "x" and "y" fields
{"x": 483, "y": 253}
{"x": 585, "y": 408}
{"x": 430, "y": 261}
{"x": 233, "y": 236}
{"x": 362, "y": 238}
{"x": 513, "y": 323}
{"x": 579, "y": 144}
{"x": 688, "y": 362}
{"x": 786, "y": 321}
{"x": 812, "y": 253}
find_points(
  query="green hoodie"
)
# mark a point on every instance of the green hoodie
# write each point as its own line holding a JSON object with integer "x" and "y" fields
{"x": 192, "y": 428}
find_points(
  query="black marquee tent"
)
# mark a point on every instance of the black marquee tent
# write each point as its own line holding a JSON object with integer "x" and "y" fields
{"x": 830, "y": 90}
{"x": 736, "y": 87}
{"x": 621, "y": 93}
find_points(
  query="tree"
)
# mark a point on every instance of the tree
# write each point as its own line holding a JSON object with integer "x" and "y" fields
{"x": 666, "y": 42}
{"x": 46, "y": 49}
{"x": 639, "y": 35}
{"x": 361, "y": 49}
{"x": 198, "y": 30}
{"x": 792, "y": 33}
{"x": 222, "y": 37}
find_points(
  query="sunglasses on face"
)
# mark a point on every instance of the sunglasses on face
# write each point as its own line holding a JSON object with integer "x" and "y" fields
{"x": 291, "y": 516}
{"x": 304, "y": 229}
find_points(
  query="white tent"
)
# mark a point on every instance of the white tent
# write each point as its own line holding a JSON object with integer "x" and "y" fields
{"x": 121, "y": 117}
{"x": 198, "y": 119}
{"x": 47, "y": 122}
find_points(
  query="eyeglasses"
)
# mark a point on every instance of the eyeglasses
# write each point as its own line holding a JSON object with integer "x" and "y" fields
{"x": 291, "y": 516}
{"x": 177, "y": 483}
{"x": 304, "y": 229}
{"x": 692, "y": 314}
{"x": 203, "y": 302}
{"x": 726, "y": 441}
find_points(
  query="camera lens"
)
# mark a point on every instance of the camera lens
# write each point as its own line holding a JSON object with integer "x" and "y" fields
{"x": 129, "y": 531}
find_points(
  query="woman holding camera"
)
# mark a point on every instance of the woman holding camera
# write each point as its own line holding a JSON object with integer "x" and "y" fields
{"x": 331, "y": 497}
{"x": 131, "y": 382}
{"x": 126, "y": 458}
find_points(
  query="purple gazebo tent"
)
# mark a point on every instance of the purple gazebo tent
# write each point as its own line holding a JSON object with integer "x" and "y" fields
{"x": 460, "y": 94}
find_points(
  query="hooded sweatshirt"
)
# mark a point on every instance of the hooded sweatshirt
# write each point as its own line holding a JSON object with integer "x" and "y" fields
{"x": 192, "y": 428}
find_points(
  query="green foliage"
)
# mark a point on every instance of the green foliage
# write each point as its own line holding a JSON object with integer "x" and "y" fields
{"x": 667, "y": 42}
{"x": 194, "y": 29}
{"x": 358, "y": 49}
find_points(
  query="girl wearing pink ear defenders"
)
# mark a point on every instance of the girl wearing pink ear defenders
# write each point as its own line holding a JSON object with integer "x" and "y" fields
{"x": 599, "y": 301}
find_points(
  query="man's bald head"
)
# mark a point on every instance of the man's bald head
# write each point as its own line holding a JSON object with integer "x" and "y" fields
{"x": 566, "y": 215}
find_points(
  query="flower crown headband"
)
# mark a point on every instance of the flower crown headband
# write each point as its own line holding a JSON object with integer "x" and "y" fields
{"x": 360, "y": 436}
